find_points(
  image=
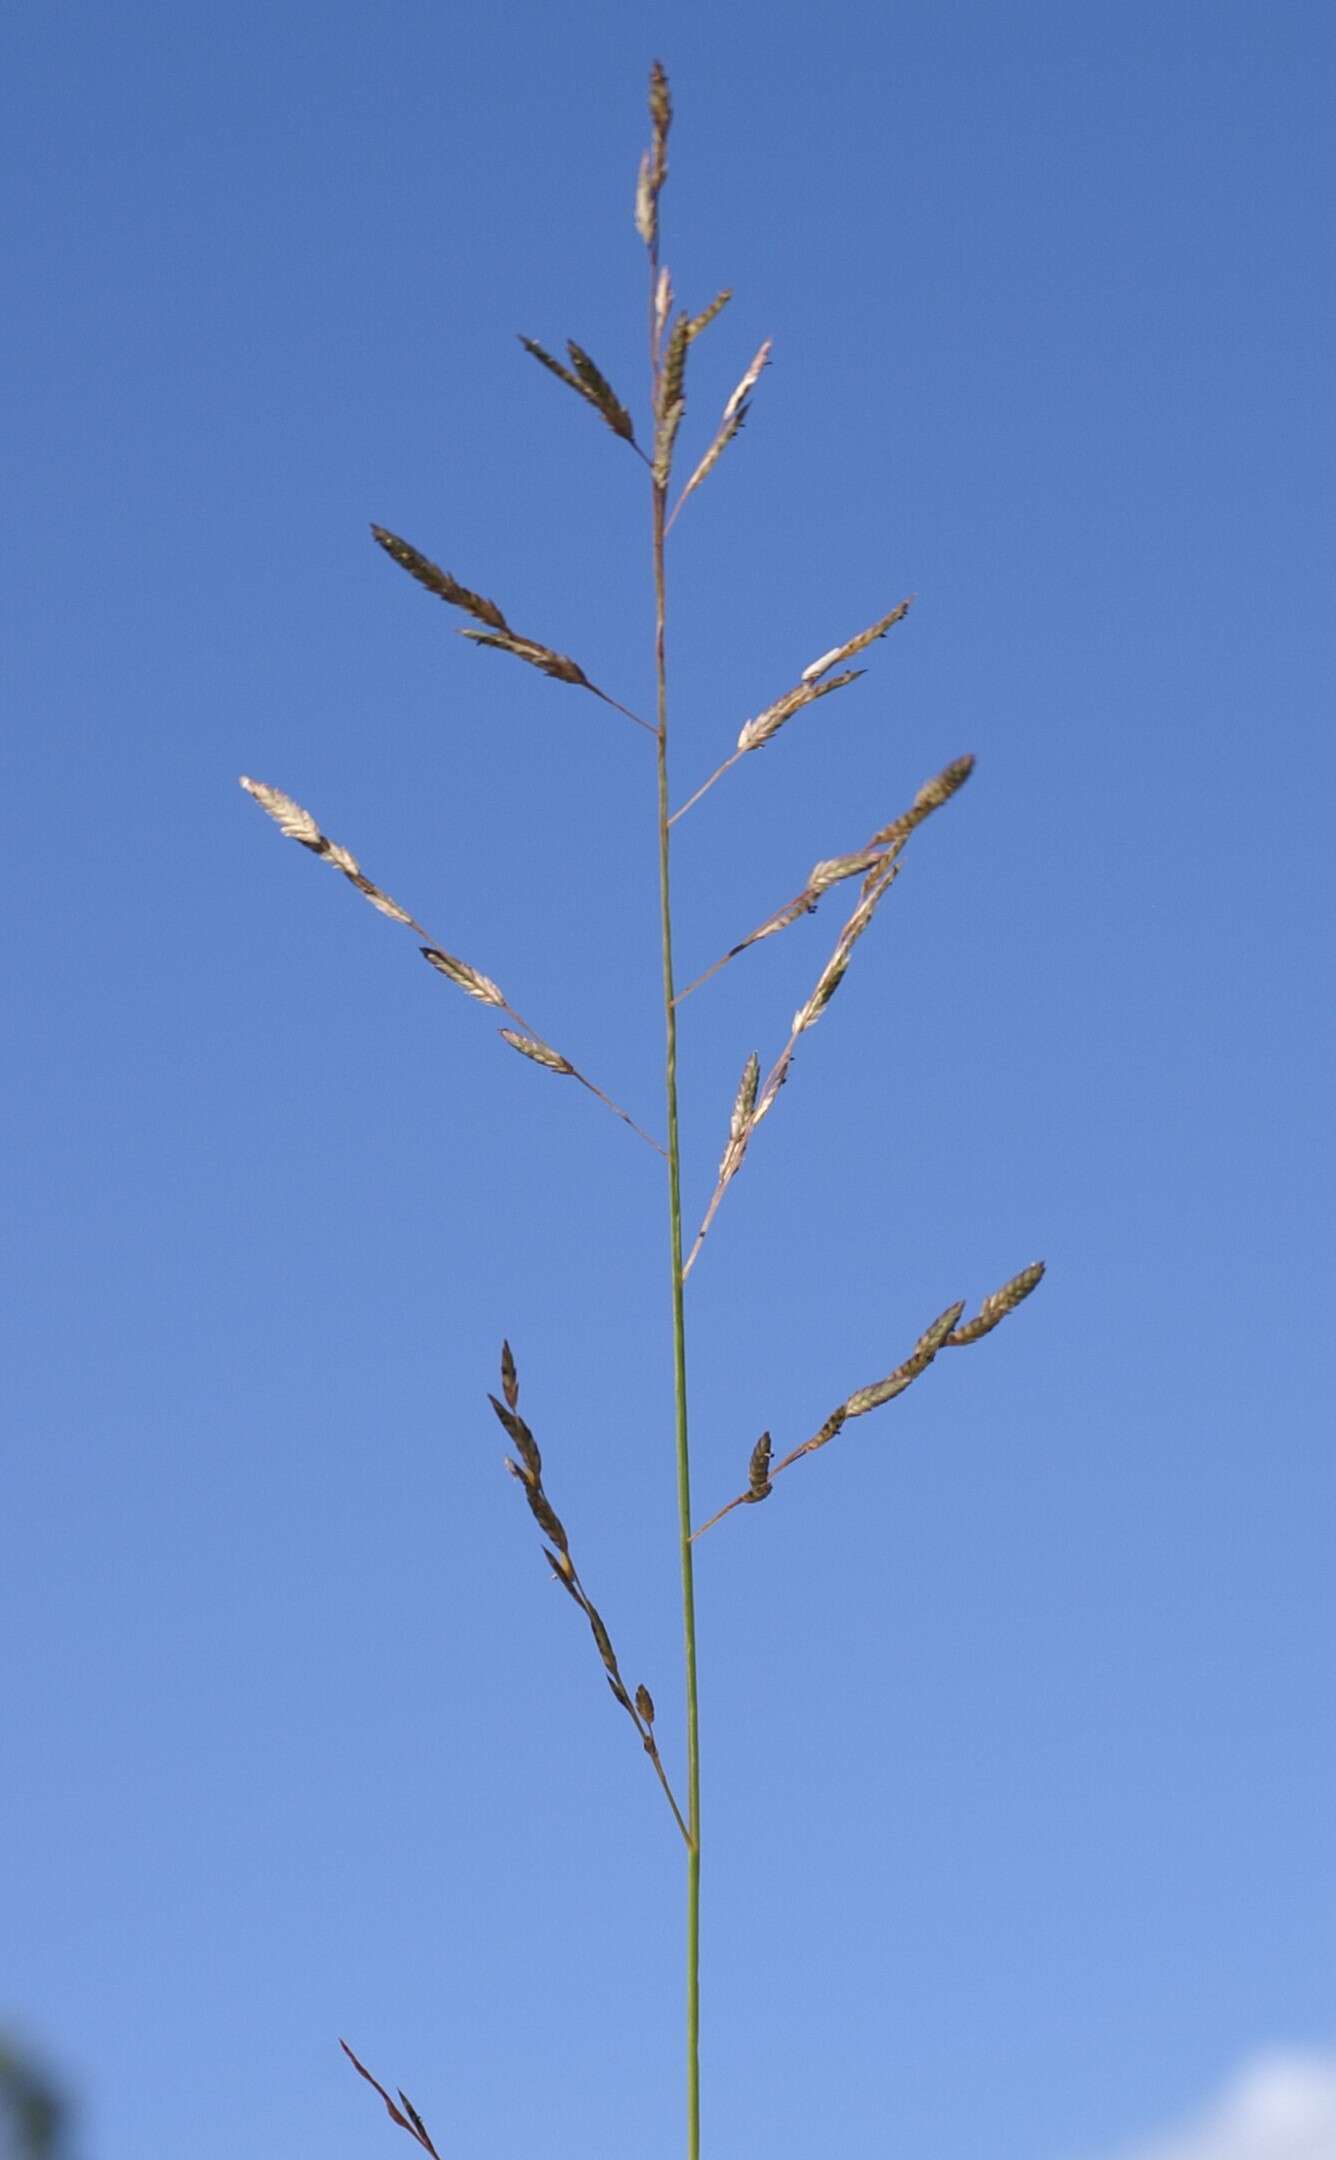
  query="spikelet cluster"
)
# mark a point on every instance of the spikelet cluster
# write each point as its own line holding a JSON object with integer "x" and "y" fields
{"x": 944, "y": 1333}
{"x": 528, "y": 1471}
{"x": 405, "y": 2115}
{"x": 588, "y": 382}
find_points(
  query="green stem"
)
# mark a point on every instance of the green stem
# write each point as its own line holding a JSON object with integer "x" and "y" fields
{"x": 679, "y": 1367}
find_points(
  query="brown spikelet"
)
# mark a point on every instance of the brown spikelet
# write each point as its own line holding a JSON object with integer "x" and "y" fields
{"x": 661, "y": 119}
{"x": 670, "y": 400}
{"x": 559, "y": 666}
{"x": 529, "y": 1474}
{"x": 933, "y": 1339}
{"x": 520, "y": 1434}
{"x": 438, "y": 581}
{"x": 510, "y": 1379}
{"x": 995, "y": 1308}
{"x": 498, "y": 633}
{"x": 468, "y": 978}
{"x": 588, "y": 382}
{"x": 406, "y": 2118}
{"x": 538, "y": 1052}
{"x": 758, "y": 1470}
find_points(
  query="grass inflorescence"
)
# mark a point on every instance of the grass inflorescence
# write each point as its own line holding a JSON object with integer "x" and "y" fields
{"x": 875, "y": 866}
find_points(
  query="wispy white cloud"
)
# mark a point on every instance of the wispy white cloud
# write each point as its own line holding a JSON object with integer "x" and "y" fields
{"x": 1279, "y": 2107}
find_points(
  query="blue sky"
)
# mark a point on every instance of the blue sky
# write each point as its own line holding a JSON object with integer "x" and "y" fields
{"x": 1019, "y": 1770}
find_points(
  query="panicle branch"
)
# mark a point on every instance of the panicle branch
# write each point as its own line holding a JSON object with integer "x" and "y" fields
{"x": 406, "y": 2117}
{"x": 497, "y": 634}
{"x": 944, "y": 1333}
{"x": 815, "y": 682}
{"x": 882, "y": 847}
{"x": 528, "y": 1470}
{"x": 299, "y": 825}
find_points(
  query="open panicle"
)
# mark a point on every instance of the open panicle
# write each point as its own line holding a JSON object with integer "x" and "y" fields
{"x": 873, "y": 868}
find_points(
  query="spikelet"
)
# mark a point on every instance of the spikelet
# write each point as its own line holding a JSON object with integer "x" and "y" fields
{"x": 468, "y": 978}
{"x": 438, "y": 581}
{"x": 299, "y": 825}
{"x": 588, "y": 382}
{"x": 559, "y": 666}
{"x": 645, "y": 216}
{"x": 406, "y": 2118}
{"x": 654, "y": 164}
{"x": 707, "y": 315}
{"x": 920, "y": 1358}
{"x": 538, "y": 1052}
{"x": 995, "y": 1308}
{"x": 734, "y": 417}
{"x": 767, "y": 724}
{"x": 670, "y": 401}
{"x": 510, "y": 1384}
{"x": 869, "y": 861}
{"x": 930, "y": 797}
{"x": 744, "y": 1102}
{"x": 759, "y": 1486}
{"x": 856, "y": 644}
{"x": 661, "y": 119}
{"x": 498, "y": 633}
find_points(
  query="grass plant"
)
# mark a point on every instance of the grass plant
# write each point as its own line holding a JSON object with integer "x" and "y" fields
{"x": 874, "y": 867}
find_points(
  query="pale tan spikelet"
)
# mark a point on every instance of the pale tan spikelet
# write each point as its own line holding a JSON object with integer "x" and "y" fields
{"x": 995, "y": 1307}
{"x": 538, "y": 1052}
{"x": 767, "y": 724}
{"x": 707, "y": 315}
{"x": 734, "y": 417}
{"x": 438, "y": 581}
{"x": 382, "y": 902}
{"x": 299, "y": 825}
{"x": 745, "y": 1100}
{"x": 833, "y": 973}
{"x": 468, "y": 978}
{"x": 645, "y": 1704}
{"x": 856, "y": 644}
{"x": 931, "y": 796}
{"x": 663, "y": 303}
{"x": 833, "y": 872}
{"x": 288, "y": 815}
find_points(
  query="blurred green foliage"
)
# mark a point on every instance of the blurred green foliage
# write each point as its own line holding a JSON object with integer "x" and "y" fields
{"x": 33, "y": 2116}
